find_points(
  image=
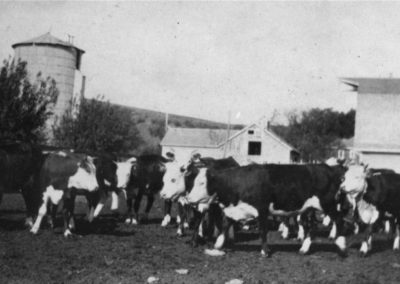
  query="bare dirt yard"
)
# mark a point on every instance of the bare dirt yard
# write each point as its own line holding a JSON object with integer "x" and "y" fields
{"x": 112, "y": 252}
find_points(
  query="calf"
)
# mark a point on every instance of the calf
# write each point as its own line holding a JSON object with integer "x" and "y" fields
{"x": 20, "y": 164}
{"x": 254, "y": 191}
{"x": 372, "y": 195}
{"x": 65, "y": 174}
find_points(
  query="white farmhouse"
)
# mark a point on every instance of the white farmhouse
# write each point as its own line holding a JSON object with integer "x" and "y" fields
{"x": 377, "y": 131}
{"x": 247, "y": 145}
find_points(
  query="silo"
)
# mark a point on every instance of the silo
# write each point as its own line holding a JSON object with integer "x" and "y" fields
{"x": 58, "y": 59}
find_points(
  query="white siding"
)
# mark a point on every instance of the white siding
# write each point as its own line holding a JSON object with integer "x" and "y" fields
{"x": 382, "y": 160}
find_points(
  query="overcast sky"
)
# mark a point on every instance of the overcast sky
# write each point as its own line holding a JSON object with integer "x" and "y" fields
{"x": 203, "y": 59}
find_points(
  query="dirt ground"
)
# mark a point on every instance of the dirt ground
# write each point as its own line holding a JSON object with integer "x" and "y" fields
{"x": 112, "y": 252}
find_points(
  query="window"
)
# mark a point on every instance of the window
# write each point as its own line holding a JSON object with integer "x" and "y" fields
{"x": 254, "y": 148}
{"x": 251, "y": 132}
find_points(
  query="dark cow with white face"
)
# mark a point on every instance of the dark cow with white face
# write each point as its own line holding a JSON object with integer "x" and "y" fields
{"x": 254, "y": 191}
{"x": 373, "y": 194}
{"x": 65, "y": 174}
{"x": 178, "y": 182}
{"x": 20, "y": 164}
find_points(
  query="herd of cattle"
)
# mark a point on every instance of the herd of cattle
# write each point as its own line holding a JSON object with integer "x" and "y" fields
{"x": 216, "y": 194}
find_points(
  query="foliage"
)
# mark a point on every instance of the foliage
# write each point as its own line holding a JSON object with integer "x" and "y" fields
{"x": 24, "y": 107}
{"x": 315, "y": 131}
{"x": 94, "y": 125}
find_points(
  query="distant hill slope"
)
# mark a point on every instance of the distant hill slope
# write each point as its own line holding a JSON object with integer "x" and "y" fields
{"x": 151, "y": 126}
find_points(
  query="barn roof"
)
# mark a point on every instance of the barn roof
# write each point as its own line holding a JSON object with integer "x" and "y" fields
{"x": 195, "y": 137}
{"x": 46, "y": 39}
{"x": 208, "y": 138}
{"x": 374, "y": 85}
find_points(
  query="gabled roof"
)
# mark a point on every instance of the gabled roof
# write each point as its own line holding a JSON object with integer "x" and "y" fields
{"x": 195, "y": 137}
{"x": 210, "y": 138}
{"x": 374, "y": 85}
{"x": 46, "y": 39}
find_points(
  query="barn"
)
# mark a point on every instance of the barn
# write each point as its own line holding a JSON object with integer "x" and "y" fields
{"x": 377, "y": 133}
{"x": 254, "y": 143}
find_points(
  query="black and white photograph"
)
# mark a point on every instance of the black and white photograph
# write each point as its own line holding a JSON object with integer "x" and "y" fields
{"x": 227, "y": 142}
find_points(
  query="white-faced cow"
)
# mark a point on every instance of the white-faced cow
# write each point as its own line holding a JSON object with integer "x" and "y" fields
{"x": 178, "y": 182}
{"x": 372, "y": 195}
{"x": 254, "y": 191}
{"x": 20, "y": 164}
{"x": 65, "y": 174}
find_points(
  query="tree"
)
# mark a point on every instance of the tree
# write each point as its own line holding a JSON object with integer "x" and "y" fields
{"x": 24, "y": 106}
{"x": 315, "y": 131}
{"x": 94, "y": 125}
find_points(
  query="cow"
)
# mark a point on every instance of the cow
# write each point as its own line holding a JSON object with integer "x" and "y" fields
{"x": 372, "y": 196}
{"x": 145, "y": 179}
{"x": 178, "y": 181}
{"x": 255, "y": 191}
{"x": 66, "y": 174}
{"x": 19, "y": 172}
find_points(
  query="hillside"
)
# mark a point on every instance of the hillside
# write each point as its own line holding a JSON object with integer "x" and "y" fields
{"x": 151, "y": 126}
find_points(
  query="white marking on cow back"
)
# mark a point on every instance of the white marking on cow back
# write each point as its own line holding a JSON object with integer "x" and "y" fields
{"x": 368, "y": 212}
{"x": 312, "y": 202}
{"x": 241, "y": 212}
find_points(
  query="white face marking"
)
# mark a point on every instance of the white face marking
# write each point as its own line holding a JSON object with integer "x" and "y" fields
{"x": 305, "y": 247}
{"x": 220, "y": 241}
{"x": 199, "y": 192}
{"x": 368, "y": 212}
{"x": 341, "y": 243}
{"x": 241, "y": 212}
{"x": 174, "y": 181}
{"x": 354, "y": 180}
{"x": 123, "y": 173}
{"x": 84, "y": 180}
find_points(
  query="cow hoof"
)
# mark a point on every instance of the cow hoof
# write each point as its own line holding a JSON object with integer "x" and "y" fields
{"x": 128, "y": 221}
{"x": 303, "y": 252}
{"x": 363, "y": 254}
{"x": 343, "y": 253}
{"x": 179, "y": 233}
{"x": 246, "y": 228}
{"x": 134, "y": 221}
{"x": 265, "y": 254}
{"x": 34, "y": 231}
{"x": 68, "y": 234}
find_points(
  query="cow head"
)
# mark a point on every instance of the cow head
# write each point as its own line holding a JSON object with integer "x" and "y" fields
{"x": 354, "y": 183}
{"x": 173, "y": 181}
{"x": 124, "y": 170}
{"x": 199, "y": 193}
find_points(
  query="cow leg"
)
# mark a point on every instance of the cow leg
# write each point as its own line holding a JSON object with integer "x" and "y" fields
{"x": 263, "y": 224}
{"x": 41, "y": 213}
{"x": 136, "y": 206}
{"x": 366, "y": 245}
{"x": 167, "y": 213}
{"x": 149, "y": 205}
{"x": 68, "y": 212}
{"x": 197, "y": 230}
{"x": 53, "y": 214}
{"x": 26, "y": 194}
{"x": 300, "y": 232}
{"x": 92, "y": 201}
{"x": 396, "y": 243}
{"x": 333, "y": 231}
{"x": 219, "y": 243}
{"x": 308, "y": 222}
{"x": 180, "y": 220}
{"x": 100, "y": 205}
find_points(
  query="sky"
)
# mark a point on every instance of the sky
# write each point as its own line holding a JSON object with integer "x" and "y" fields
{"x": 209, "y": 59}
